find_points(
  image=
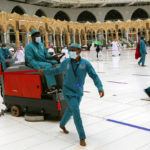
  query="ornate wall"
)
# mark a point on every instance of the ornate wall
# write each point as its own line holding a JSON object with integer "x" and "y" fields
{"x": 16, "y": 29}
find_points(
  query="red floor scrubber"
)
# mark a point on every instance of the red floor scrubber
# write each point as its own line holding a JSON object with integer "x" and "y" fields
{"x": 24, "y": 93}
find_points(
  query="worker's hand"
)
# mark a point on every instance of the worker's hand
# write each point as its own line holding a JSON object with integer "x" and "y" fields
{"x": 101, "y": 93}
{"x": 41, "y": 72}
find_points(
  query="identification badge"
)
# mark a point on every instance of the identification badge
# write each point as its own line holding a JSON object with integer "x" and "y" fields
{"x": 79, "y": 84}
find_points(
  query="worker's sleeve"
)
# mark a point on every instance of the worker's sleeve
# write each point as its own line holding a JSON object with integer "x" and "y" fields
{"x": 142, "y": 47}
{"x": 47, "y": 55}
{"x": 9, "y": 53}
{"x": 29, "y": 57}
{"x": 58, "y": 70}
{"x": 94, "y": 76}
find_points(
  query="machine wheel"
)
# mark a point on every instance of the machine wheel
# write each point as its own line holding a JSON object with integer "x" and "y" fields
{"x": 15, "y": 111}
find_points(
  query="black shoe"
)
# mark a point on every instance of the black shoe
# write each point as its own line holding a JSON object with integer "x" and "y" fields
{"x": 146, "y": 91}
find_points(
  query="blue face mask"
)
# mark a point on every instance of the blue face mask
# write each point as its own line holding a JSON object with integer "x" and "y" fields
{"x": 73, "y": 55}
{"x": 38, "y": 39}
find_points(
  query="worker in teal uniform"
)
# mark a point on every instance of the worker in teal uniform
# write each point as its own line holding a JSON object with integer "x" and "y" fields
{"x": 75, "y": 69}
{"x": 2, "y": 61}
{"x": 142, "y": 51}
{"x": 37, "y": 57}
{"x": 4, "y": 54}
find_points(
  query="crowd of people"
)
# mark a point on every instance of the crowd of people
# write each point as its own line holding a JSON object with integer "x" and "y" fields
{"x": 72, "y": 64}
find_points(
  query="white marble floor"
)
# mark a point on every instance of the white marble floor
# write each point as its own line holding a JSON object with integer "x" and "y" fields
{"x": 124, "y": 82}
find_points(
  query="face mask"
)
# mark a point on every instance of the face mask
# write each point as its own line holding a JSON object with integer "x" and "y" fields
{"x": 73, "y": 55}
{"x": 38, "y": 39}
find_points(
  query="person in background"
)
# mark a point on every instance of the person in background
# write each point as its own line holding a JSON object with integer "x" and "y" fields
{"x": 143, "y": 52}
{"x": 115, "y": 48}
{"x": 65, "y": 52}
{"x": 5, "y": 54}
{"x": 75, "y": 69}
{"x": 5, "y": 51}
{"x": 51, "y": 50}
{"x": 19, "y": 55}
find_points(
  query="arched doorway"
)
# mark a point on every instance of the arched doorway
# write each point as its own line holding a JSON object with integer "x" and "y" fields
{"x": 82, "y": 38}
{"x": 18, "y": 10}
{"x": 77, "y": 39}
{"x": 11, "y": 38}
{"x": 61, "y": 16}
{"x": 64, "y": 37}
{"x": 86, "y": 16}
{"x": 42, "y": 33}
{"x": 139, "y": 14}
{"x": 40, "y": 13}
{"x": 113, "y": 15}
{"x": 57, "y": 37}
{"x": 89, "y": 37}
{"x": 23, "y": 36}
{"x": 1, "y": 35}
{"x": 72, "y": 40}
{"x": 50, "y": 36}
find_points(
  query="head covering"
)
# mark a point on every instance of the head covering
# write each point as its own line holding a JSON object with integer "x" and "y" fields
{"x": 142, "y": 36}
{"x": 75, "y": 45}
{"x": 34, "y": 32}
{"x": 21, "y": 48}
{"x": 51, "y": 45}
{"x": 3, "y": 43}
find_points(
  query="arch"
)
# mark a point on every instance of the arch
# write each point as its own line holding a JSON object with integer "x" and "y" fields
{"x": 32, "y": 28}
{"x": 40, "y": 13}
{"x": 139, "y": 14}
{"x": 18, "y": 10}
{"x": 86, "y": 16}
{"x": 61, "y": 16}
{"x": 41, "y": 30}
{"x": 113, "y": 15}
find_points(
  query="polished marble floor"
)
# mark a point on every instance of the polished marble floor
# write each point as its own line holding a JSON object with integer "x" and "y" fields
{"x": 124, "y": 82}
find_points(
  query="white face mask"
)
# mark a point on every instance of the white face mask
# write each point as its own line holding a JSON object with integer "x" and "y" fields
{"x": 73, "y": 55}
{"x": 38, "y": 39}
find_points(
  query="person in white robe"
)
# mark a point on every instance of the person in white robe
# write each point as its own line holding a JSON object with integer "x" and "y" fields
{"x": 19, "y": 55}
{"x": 65, "y": 52}
{"x": 115, "y": 48}
{"x": 51, "y": 49}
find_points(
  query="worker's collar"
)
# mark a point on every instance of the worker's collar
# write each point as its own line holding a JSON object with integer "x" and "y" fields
{"x": 35, "y": 42}
{"x": 77, "y": 62}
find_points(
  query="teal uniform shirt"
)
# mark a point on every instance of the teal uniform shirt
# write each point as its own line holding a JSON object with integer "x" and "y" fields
{"x": 36, "y": 57}
{"x": 73, "y": 84}
{"x": 5, "y": 52}
{"x": 142, "y": 47}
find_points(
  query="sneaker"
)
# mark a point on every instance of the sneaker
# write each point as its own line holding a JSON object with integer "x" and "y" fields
{"x": 146, "y": 91}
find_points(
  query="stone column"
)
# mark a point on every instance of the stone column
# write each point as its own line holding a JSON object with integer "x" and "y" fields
{"x": 74, "y": 38}
{"x": 46, "y": 40}
{"x": 79, "y": 39}
{"x": 5, "y": 38}
{"x": 85, "y": 38}
{"x": 95, "y": 37}
{"x": 147, "y": 35}
{"x": 117, "y": 37}
{"x": 28, "y": 37}
{"x": 68, "y": 38}
{"x": 106, "y": 37}
{"x": 54, "y": 40}
{"x": 61, "y": 44}
{"x": 127, "y": 36}
{"x": 137, "y": 38}
{"x": 17, "y": 39}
